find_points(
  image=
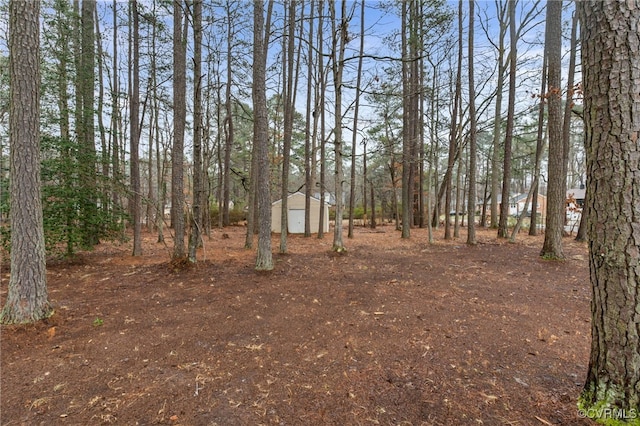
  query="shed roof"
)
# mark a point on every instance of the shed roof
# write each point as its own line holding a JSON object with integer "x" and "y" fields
{"x": 295, "y": 194}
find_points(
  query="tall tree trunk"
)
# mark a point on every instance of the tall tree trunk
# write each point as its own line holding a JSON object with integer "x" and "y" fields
{"x": 533, "y": 226}
{"x": 230, "y": 131}
{"x": 568, "y": 111}
{"x": 308, "y": 162}
{"x": 503, "y": 230}
{"x": 288, "y": 106}
{"x": 354, "y": 133}
{"x": 415, "y": 46}
{"x": 264, "y": 258}
{"x": 220, "y": 154}
{"x": 446, "y": 186}
{"x": 420, "y": 136}
{"x": 556, "y": 197}
{"x": 63, "y": 54}
{"x": 104, "y": 157}
{"x": 407, "y": 26}
{"x": 86, "y": 75}
{"x": 471, "y": 202}
{"x": 179, "y": 118}
{"x": 611, "y": 76}
{"x": 160, "y": 154}
{"x": 339, "y": 42}
{"x": 27, "y": 299}
{"x": 115, "y": 115}
{"x": 196, "y": 213}
{"x": 149, "y": 202}
{"x": 497, "y": 121}
{"x": 134, "y": 137}
{"x": 321, "y": 105}
{"x": 458, "y": 198}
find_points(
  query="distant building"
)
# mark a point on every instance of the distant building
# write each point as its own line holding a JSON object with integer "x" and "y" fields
{"x": 577, "y": 194}
{"x": 295, "y": 215}
{"x": 517, "y": 202}
{"x": 575, "y": 204}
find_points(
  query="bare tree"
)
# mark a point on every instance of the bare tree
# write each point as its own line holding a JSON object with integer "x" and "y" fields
{"x": 356, "y": 111}
{"x": 533, "y": 224}
{"x": 229, "y": 122}
{"x": 308, "y": 151}
{"x": 471, "y": 202}
{"x": 320, "y": 111}
{"x": 454, "y": 151}
{"x": 27, "y": 300}
{"x": 339, "y": 31}
{"x": 503, "y": 231}
{"x": 497, "y": 121}
{"x": 115, "y": 112}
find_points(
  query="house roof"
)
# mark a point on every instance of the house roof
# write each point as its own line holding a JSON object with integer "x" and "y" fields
{"x": 516, "y": 198}
{"x": 578, "y": 193}
{"x": 522, "y": 197}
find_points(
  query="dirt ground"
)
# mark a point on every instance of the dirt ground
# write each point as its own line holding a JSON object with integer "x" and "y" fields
{"x": 395, "y": 332}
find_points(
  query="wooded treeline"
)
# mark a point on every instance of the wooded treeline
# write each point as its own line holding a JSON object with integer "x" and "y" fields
{"x": 149, "y": 116}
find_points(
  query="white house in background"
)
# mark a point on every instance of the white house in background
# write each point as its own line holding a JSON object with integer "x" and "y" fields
{"x": 517, "y": 202}
{"x": 295, "y": 214}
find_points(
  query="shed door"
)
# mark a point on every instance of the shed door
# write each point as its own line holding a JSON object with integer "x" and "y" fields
{"x": 296, "y": 221}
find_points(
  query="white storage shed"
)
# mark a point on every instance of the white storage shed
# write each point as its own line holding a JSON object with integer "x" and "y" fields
{"x": 295, "y": 216}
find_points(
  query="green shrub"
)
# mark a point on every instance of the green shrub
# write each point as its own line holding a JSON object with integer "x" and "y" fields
{"x": 75, "y": 213}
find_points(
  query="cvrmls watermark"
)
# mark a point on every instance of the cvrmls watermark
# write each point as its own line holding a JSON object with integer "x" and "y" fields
{"x": 606, "y": 413}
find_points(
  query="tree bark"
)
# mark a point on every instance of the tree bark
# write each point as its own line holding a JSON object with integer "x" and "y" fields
{"x": 506, "y": 168}
{"x": 453, "y": 139}
{"x": 552, "y": 247}
{"x": 115, "y": 115}
{"x": 104, "y": 157}
{"x": 322, "y": 114}
{"x": 87, "y": 147}
{"x": 611, "y": 76}
{"x": 340, "y": 34}
{"x": 196, "y": 207}
{"x": 308, "y": 162}
{"x": 288, "y": 100}
{"x": 264, "y": 258}
{"x": 134, "y": 137}
{"x": 407, "y": 133}
{"x": 497, "y": 123}
{"x": 229, "y": 122}
{"x": 471, "y": 201}
{"x": 27, "y": 299}
{"x": 179, "y": 118}
{"x": 533, "y": 225}
{"x": 354, "y": 135}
